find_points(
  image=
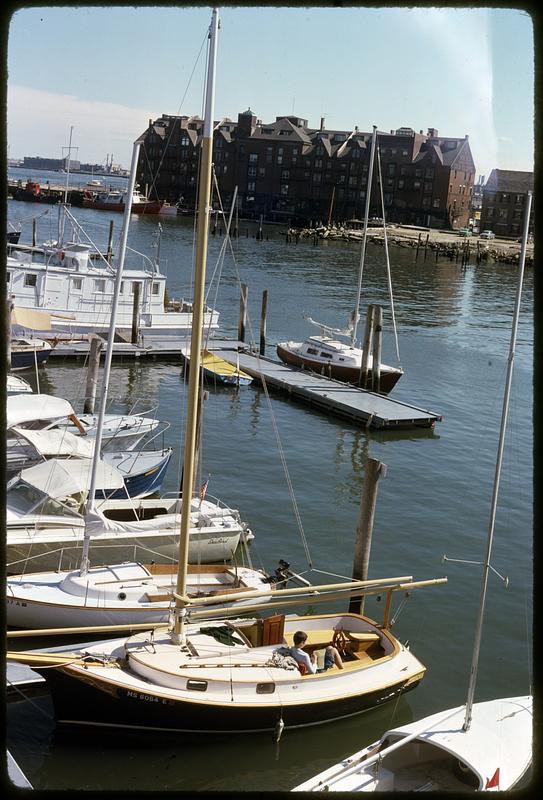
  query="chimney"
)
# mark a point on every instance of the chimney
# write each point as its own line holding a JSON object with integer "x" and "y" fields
{"x": 420, "y": 131}
{"x": 392, "y": 132}
{"x": 150, "y": 122}
{"x": 322, "y": 124}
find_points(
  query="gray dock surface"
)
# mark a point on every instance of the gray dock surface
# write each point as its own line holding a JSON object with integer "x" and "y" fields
{"x": 369, "y": 409}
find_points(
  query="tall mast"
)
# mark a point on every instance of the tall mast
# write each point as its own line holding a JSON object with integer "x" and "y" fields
{"x": 363, "y": 253}
{"x": 499, "y": 460}
{"x": 109, "y": 353}
{"x": 197, "y": 325}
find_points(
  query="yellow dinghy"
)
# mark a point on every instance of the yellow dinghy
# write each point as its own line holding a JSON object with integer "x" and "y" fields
{"x": 217, "y": 369}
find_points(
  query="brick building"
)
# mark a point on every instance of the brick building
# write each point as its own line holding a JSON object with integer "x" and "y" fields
{"x": 504, "y": 202}
{"x": 285, "y": 170}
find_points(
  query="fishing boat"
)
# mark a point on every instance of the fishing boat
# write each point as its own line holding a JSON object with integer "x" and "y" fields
{"x": 329, "y": 355}
{"x": 212, "y": 674}
{"x": 27, "y": 353}
{"x": 75, "y": 283}
{"x": 474, "y": 747}
{"x": 114, "y": 200}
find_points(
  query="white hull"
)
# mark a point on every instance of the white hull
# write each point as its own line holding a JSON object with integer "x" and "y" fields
{"x": 47, "y": 548}
{"x": 436, "y": 754}
{"x": 75, "y": 289}
{"x": 121, "y": 594}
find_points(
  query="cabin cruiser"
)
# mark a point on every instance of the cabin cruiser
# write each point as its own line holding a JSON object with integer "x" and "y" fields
{"x": 74, "y": 284}
{"x": 334, "y": 359}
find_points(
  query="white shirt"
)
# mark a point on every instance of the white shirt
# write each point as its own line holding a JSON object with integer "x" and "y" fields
{"x": 302, "y": 658}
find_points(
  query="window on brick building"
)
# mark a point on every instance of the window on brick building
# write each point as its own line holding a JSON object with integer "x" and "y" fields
{"x": 284, "y": 189}
{"x": 285, "y": 175}
{"x": 253, "y": 158}
{"x": 436, "y": 202}
{"x": 251, "y": 186}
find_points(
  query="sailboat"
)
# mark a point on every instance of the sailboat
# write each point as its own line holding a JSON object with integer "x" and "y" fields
{"x": 44, "y": 515}
{"x": 474, "y": 747}
{"x": 210, "y": 673}
{"x": 326, "y": 353}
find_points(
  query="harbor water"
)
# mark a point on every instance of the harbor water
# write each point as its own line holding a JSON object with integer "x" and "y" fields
{"x": 453, "y": 327}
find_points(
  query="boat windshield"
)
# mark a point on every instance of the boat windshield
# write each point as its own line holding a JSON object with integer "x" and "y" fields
{"x": 23, "y": 499}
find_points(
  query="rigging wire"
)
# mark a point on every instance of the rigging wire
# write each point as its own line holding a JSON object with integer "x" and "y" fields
{"x": 274, "y": 425}
{"x": 154, "y": 175}
{"x": 380, "y": 182}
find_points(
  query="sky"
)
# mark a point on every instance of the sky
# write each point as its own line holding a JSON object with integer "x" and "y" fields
{"x": 98, "y": 74}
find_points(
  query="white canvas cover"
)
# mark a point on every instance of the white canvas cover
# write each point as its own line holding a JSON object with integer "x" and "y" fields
{"x": 63, "y": 477}
{"x": 56, "y": 442}
{"x": 29, "y": 407}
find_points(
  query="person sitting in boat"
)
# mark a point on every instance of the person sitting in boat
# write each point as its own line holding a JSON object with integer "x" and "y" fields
{"x": 308, "y": 664}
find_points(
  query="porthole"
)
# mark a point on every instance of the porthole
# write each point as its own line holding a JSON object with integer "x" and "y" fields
{"x": 121, "y": 596}
{"x": 197, "y": 686}
{"x": 265, "y": 688}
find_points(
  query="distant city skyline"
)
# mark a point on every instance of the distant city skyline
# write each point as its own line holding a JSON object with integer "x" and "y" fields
{"x": 109, "y": 70}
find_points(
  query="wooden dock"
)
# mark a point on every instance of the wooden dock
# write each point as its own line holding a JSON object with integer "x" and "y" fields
{"x": 368, "y": 409}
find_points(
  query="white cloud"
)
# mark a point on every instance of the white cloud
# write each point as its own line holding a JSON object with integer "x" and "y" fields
{"x": 99, "y": 128}
{"x": 460, "y": 38}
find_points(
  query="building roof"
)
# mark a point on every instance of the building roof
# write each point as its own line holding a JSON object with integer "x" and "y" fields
{"x": 508, "y": 180}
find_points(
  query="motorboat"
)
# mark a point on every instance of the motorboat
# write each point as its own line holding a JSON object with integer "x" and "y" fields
{"x": 114, "y": 200}
{"x": 335, "y": 359}
{"x": 75, "y": 284}
{"x": 27, "y": 353}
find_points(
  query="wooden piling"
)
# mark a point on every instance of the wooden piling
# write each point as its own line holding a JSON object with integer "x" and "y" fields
{"x": 263, "y": 315}
{"x": 376, "y": 349}
{"x": 135, "y": 312}
{"x": 426, "y": 245}
{"x": 366, "y": 347}
{"x": 418, "y": 245}
{"x": 374, "y": 470}
{"x": 34, "y": 226}
{"x": 96, "y": 343}
{"x": 109, "y": 253}
{"x": 242, "y": 312}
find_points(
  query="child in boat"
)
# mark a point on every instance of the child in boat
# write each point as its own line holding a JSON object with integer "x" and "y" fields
{"x": 308, "y": 664}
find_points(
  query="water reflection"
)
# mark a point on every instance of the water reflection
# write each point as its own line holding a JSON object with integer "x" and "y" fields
{"x": 55, "y": 758}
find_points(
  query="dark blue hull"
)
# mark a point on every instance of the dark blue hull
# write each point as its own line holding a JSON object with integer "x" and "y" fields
{"x": 140, "y": 484}
{"x": 27, "y": 359}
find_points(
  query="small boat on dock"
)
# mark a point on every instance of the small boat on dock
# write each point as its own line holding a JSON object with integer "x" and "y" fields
{"x": 215, "y": 369}
{"x": 28, "y": 353}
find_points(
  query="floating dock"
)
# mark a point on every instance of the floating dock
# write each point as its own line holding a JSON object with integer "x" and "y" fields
{"x": 365, "y": 408}
{"x": 368, "y": 409}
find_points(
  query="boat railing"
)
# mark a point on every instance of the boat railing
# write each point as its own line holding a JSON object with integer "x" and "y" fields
{"x": 197, "y": 496}
{"x": 72, "y": 554}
